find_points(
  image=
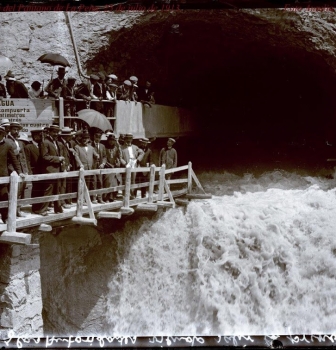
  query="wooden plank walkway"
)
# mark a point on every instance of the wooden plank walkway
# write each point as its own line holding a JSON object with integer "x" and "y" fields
{"x": 83, "y": 212}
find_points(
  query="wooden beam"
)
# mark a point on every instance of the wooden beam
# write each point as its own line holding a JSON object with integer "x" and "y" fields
{"x": 182, "y": 202}
{"x": 170, "y": 196}
{"x": 84, "y": 221}
{"x": 198, "y": 196}
{"x": 12, "y": 202}
{"x": 151, "y": 184}
{"x": 4, "y": 180}
{"x": 189, "y": 177}
{"x": 15, "y": 238}
{"x": 126, "y": 211}
{"x": 127, "y": 186}
{"x": 177, "y": 181}
{"x": 165, "y": 204}
{"x": 45, "y": 228}
{"x": 51, "y": 176}
{"x": 109, "y": 215}
{"x": 161, "y": 183}
{"x": 45, "y": 199}
{"x": 88, "y": 202}
{"x": 196, "y": 180}
{"x": 80, "y": 197}
{"x": 147, "y": 207}
{"x": 61, "y": 112}
{"x": 179, "y": 168}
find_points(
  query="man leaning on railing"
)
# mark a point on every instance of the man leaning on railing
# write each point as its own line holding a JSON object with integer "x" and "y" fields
{"x": 6, "y": 153}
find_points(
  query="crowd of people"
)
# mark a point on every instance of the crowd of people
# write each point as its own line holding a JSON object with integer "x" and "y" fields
{"x": 78, "y": 95}
{"x": 56, "y": 150}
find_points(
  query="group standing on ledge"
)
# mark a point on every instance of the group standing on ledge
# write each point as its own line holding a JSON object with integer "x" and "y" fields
{"x": 97, "y": 88}
{"x": 55, "y": 150}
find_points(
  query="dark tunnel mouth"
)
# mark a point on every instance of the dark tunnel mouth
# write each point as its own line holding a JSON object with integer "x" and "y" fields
{"x": 259, "y": 96}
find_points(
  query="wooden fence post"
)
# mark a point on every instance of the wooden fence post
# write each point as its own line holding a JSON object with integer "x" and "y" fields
{"x": 128, "y": 179}
{"x": 80, "y": 195}
{"x": 151, "y": 184}
{"x": 61, "y": 112}
{"x": 125, "y": 209}
{"x": 189, "y": 177}
{"x": 161, "y": 183}
{"x": 83, "y": 193}
{"x": 12, "y": 201}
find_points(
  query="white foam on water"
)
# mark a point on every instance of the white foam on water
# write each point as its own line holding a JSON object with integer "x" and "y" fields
{"x": 258, "y": 262}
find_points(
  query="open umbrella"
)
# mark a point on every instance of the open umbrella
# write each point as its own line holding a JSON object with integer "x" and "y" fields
{"x": 94, "y": 119}
{"x": 5, "y": 65}
{"x": 55, "y": 59}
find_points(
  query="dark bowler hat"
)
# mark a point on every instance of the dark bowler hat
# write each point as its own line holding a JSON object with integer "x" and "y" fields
{"x": 94, "y": 77}
{"x": 36, "y": 131}
{"x": 145, "y": 139}
{"x": 71, "y": 79}
{"x": 9, "y": 75}
{"x": 172, "y": 140}
{"x": 66, "y": 131}
{"x": 3, "y": 130}
{"x": 15, "y": 124}
{"x": 61, "y": 69}
{"x": 54, "y": 127}
{"x": 36, "y": 85}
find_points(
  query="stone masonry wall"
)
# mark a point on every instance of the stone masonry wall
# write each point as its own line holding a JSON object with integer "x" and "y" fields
{"x": 20, "y": 290}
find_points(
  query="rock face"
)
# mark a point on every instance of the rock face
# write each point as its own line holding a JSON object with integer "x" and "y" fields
{"x": 77, "y": 266}
{"x": 26, "y": 36}
{"x": 20, "y": 290}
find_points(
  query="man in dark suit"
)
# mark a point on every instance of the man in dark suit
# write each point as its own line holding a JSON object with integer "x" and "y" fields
{"x": 52, "y": 160}
{"x": 18, "y": 148}
{"x": 71, "y": 163}
{"x": 68, "y": 93}
{"x": 15, "y": 88}
{"x": 99, "y": 164}
{"x": 55, "y": 86}
{"x": 3, "y": 92}
{"x": 32, "y": 152}
{"x": 6, "y": 154}
{"x": 132, "y": 155}
{"x": 146, "y": 162}
{"x": 87, "y": 156}
{"x": 146, "y": 94}
{"x": 85, "y": 92}
{"x": 99, "y": 91}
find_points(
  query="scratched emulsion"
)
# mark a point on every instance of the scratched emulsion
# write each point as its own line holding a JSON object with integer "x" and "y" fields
{"x": 258, "y": 258}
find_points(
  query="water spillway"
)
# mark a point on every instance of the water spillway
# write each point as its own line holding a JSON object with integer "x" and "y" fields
{"x": 255, "y": 259}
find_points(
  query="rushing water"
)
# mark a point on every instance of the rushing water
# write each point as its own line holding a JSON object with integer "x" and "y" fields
{"x": 257, "y": 258}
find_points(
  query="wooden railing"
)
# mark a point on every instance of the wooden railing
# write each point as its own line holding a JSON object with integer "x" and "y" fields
{"x": 150, "y": 202}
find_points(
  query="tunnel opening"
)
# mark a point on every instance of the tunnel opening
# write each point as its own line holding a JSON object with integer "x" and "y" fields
{"x": 260, "y": 93}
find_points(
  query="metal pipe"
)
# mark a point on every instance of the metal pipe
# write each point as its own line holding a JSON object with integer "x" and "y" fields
{"x": 80, "y": 71}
